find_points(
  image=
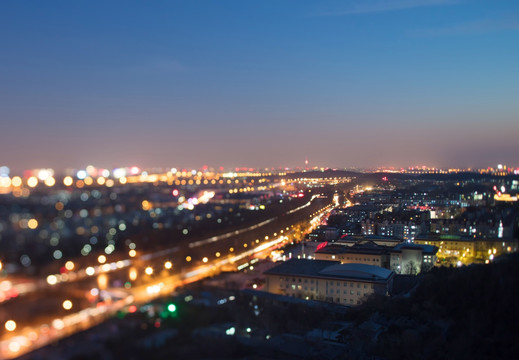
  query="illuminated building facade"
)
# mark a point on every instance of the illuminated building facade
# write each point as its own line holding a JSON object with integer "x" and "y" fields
{"x": 411, "y": 259}
{"x": 468, "y": 250}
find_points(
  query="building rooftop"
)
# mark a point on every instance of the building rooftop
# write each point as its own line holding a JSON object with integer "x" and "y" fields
{"x": 357, "y": 271}
{"x": 304, "y": 267}
{"x": 358, "y": 248}
{"x": 332, "y": 249}
{"x": 330, "y": 269}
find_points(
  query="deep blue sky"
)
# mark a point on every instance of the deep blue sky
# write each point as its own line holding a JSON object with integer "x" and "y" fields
{"x": 259, "y": 83}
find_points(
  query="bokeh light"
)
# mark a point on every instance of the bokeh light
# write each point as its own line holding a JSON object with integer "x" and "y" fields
{"x": 10, "y": 325}
{"x": 16, "y": 181}
{"x": 50, "y": 181}
{"x": 67, "y": 304}
{"x": 32, "y": 181}
{"x": 32, "y": 224}
{"x": 52, "y": 280}
{"x": 68, "y": 181}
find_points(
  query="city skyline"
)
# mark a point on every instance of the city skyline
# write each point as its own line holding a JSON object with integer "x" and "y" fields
{"x": 259, "y": 84}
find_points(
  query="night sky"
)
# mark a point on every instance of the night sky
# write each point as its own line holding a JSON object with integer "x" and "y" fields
{"x": 259, "y": 83}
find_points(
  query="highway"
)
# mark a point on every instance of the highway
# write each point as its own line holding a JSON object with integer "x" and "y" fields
{"x": 100, "y": 290}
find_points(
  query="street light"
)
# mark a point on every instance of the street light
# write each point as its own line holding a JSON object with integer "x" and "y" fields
{"x": 67, "y": 304}
{"x": 90, "y": 271}
{"x": 148, "y": 270}
{"x": 52, "y": 280}
{"x": 10, "y": 325}
{"x": 132, "y": 274}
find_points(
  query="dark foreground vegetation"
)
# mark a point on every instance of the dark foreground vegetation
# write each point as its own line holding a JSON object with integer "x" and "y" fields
{"x": 462, "y": 313}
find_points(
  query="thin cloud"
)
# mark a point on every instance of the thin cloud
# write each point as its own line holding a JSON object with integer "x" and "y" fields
{"x": 379, "y": 6}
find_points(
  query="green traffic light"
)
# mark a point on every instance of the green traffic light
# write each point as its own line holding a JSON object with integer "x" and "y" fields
{"x": 172, "y": 308}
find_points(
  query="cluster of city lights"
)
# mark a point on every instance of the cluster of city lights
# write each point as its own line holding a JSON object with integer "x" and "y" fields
{"x": 92, "y": 176}
{"x": 71, "y": 271}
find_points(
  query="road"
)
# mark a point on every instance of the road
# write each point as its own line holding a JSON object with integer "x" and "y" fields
{"x": 103, "y": 289}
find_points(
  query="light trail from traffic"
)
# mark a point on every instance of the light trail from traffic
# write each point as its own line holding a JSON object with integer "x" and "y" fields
{"x": 32, "y": 337}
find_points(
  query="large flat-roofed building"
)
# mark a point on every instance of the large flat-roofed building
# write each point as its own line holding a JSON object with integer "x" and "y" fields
{"x": 346, "y": 284}
{"x": 362, "y": 253}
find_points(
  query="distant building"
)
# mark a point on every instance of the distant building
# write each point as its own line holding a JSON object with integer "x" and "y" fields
{"x": 467, "y": 248}
{"x": 483, "y": 228}
{"x": 324, "y": 233}
{"x": 346, "y": 284}
{"x": 359, "y": 213}
{"x": 400, "y": 230}
{"x": 368, "y": 227}
{"x": 411, "y": 259}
